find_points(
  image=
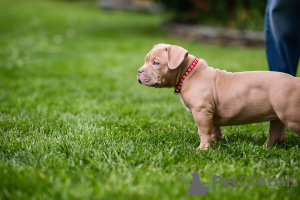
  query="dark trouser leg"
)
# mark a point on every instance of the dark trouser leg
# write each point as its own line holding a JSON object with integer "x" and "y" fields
{"x": 282, "y": 32}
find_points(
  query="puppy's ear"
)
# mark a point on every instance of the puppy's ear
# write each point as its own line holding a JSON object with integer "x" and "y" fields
{"x": 176, "y": 56}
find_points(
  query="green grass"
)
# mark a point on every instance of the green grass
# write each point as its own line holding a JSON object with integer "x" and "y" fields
{"x": 75, "y": 123}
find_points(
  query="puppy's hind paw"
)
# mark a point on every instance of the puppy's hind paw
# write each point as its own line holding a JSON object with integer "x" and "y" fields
{"x": 205, "y": 146}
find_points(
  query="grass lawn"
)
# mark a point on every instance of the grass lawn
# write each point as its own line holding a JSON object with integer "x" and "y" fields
{"x": 75, "y": 123}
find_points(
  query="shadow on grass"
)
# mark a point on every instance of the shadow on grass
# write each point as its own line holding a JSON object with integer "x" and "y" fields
{"x": 292, "y": 141}
{"x": 250, "y": 136}
{"x": 251, "y": 139}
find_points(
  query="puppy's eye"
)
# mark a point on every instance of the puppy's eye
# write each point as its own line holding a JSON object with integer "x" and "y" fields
{"x": 155, "y": 63}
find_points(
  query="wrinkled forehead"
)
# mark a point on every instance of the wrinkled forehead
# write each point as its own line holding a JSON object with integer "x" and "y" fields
{"x": 155, "y": 53}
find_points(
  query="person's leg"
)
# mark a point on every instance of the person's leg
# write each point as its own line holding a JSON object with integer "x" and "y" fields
{"x": 282, "y": 32}
{"x": 273, "y": 57}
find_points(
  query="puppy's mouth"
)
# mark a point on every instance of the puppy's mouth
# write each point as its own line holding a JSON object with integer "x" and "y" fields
{"x": 146, "y": 80}
{"x": 139, "y": 80}
{"x": 156, "y": 85}
{"x": 146, "y": 83}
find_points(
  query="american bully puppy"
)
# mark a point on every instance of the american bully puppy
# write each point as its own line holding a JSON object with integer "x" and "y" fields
{"x": 218, "y": 98}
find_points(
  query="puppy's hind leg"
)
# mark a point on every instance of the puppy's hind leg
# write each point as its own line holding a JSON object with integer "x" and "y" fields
{"x": 276, "y": 133}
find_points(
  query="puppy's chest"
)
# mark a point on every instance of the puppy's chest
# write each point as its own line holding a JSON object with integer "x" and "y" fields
{"x": 183, "y": 104}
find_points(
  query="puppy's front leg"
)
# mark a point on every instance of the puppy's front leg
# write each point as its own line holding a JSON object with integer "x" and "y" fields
{"x": 207, "y": 132}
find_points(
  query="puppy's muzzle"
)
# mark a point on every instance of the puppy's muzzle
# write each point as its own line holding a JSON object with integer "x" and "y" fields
{"x": 140, "y": 71}
{"x": 139, "y": 80}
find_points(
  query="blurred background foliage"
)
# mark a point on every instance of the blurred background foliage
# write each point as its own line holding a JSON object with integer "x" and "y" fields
{"x": 235, "y": 14}
{"x": 238, "y": 14}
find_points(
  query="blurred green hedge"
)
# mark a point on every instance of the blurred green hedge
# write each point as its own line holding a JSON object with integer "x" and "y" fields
{"x": 239, "y": 14}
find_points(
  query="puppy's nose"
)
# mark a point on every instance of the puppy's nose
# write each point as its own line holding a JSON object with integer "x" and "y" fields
{"x": 141, "y": 70}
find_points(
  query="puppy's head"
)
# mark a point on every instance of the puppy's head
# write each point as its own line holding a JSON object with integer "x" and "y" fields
{"x": 162, "y": 66}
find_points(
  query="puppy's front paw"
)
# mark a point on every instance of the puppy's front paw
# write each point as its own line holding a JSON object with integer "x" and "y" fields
{"x": 204, "y": 146}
